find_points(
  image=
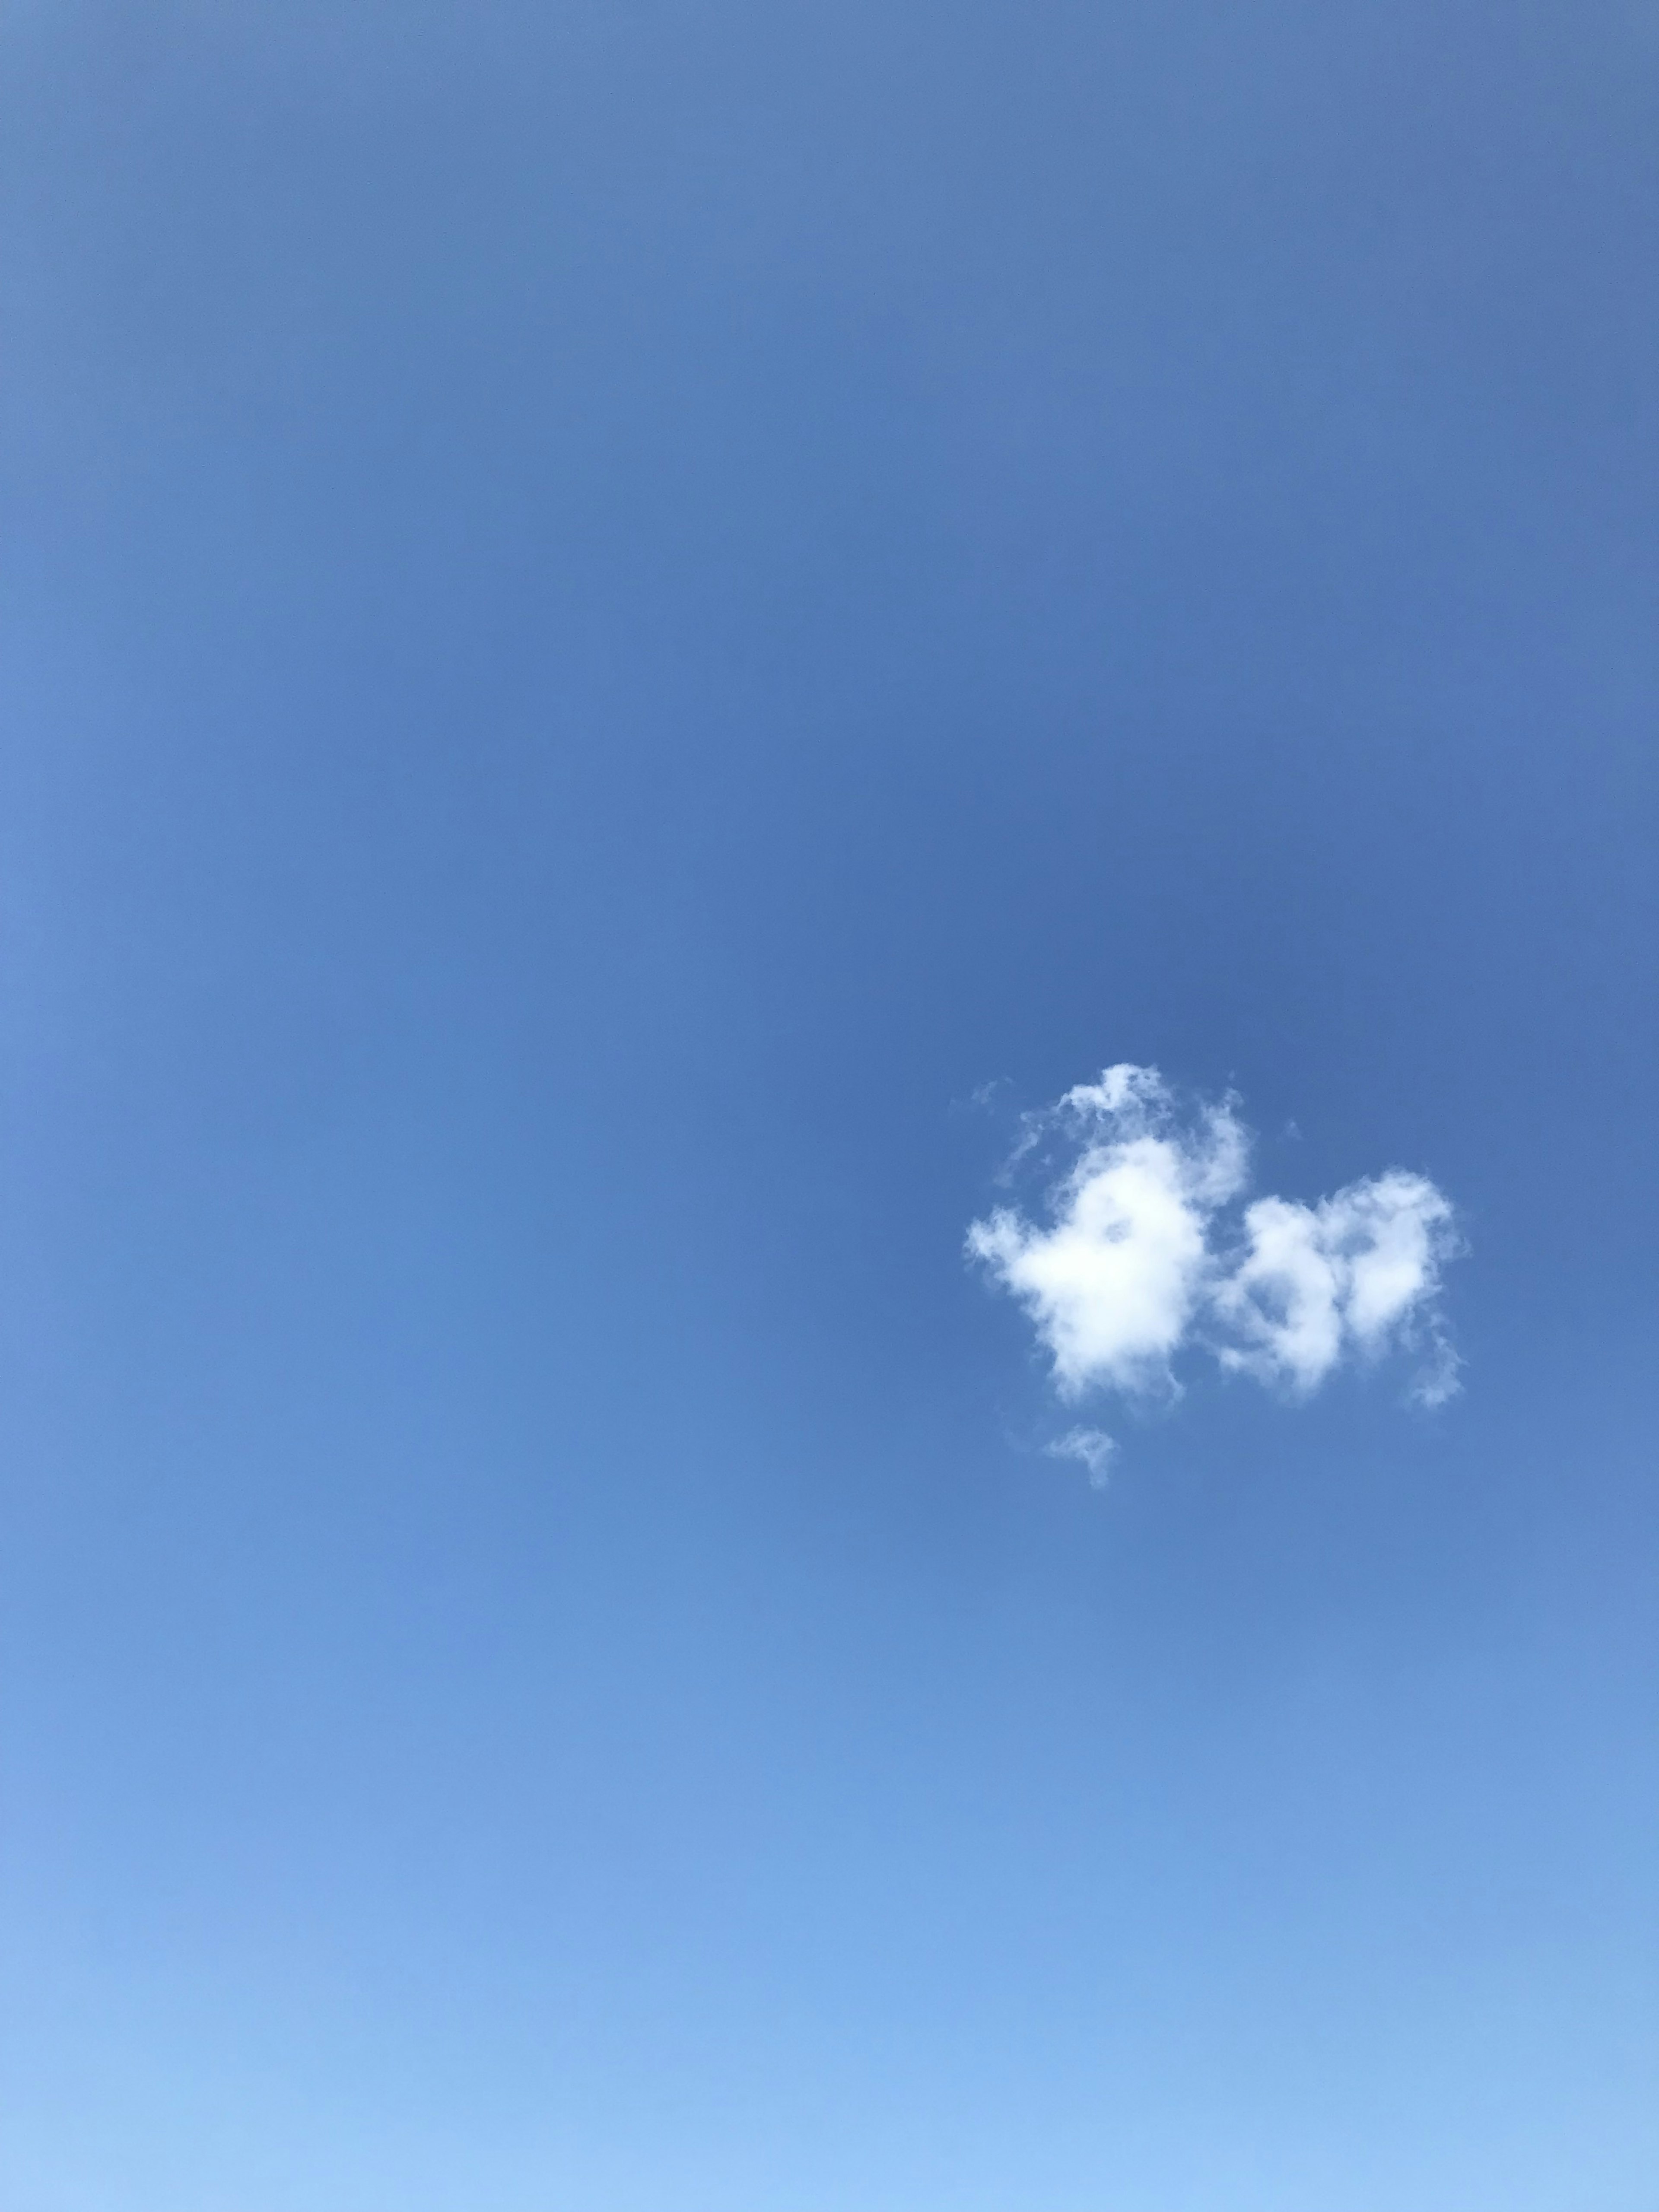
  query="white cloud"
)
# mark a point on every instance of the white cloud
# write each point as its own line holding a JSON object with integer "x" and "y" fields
{"x": 1114, "y": 1283}
{"x": 1093, "y": 1447}
{"x": 1350, "y": 1273}
{"x": 1136, "y": 1260}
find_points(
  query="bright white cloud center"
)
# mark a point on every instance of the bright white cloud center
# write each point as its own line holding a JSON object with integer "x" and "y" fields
{"x": 1141, "y": 1254}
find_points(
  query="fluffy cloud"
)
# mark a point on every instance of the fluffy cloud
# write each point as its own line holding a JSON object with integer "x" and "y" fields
{"x": 1141, "y": 1254}
{"x": 1352, "y": 1273}
{"x": 1113, "y": 1285}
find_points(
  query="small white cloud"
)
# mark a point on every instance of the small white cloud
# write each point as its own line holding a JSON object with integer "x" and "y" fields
{"x": 1093, "y": 1447}
{"x": 1436, "y": 1381}
{"x": 1282, "y": 1298}
{"x": 1134, "y": 1261}
{"x": 1352, "y": 1273}
{"x": 1114, "y": 1283}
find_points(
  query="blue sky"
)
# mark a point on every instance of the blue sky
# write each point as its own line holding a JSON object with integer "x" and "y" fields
{"x": 629, "y": 631}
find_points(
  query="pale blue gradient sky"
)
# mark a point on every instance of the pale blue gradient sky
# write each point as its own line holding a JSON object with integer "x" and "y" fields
{"x": 608, "y": 611}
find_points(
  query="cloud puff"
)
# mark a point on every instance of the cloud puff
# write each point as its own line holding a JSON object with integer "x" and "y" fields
{"x": 1113, "y": 1285}
{"x": 1093, "y": 1447}
{"x": 1140, "y": 1256}
{"x": 1351, "y": 1273}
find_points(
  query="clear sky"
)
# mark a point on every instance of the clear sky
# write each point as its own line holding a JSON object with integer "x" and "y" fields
{"x": 633, "y": 635}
